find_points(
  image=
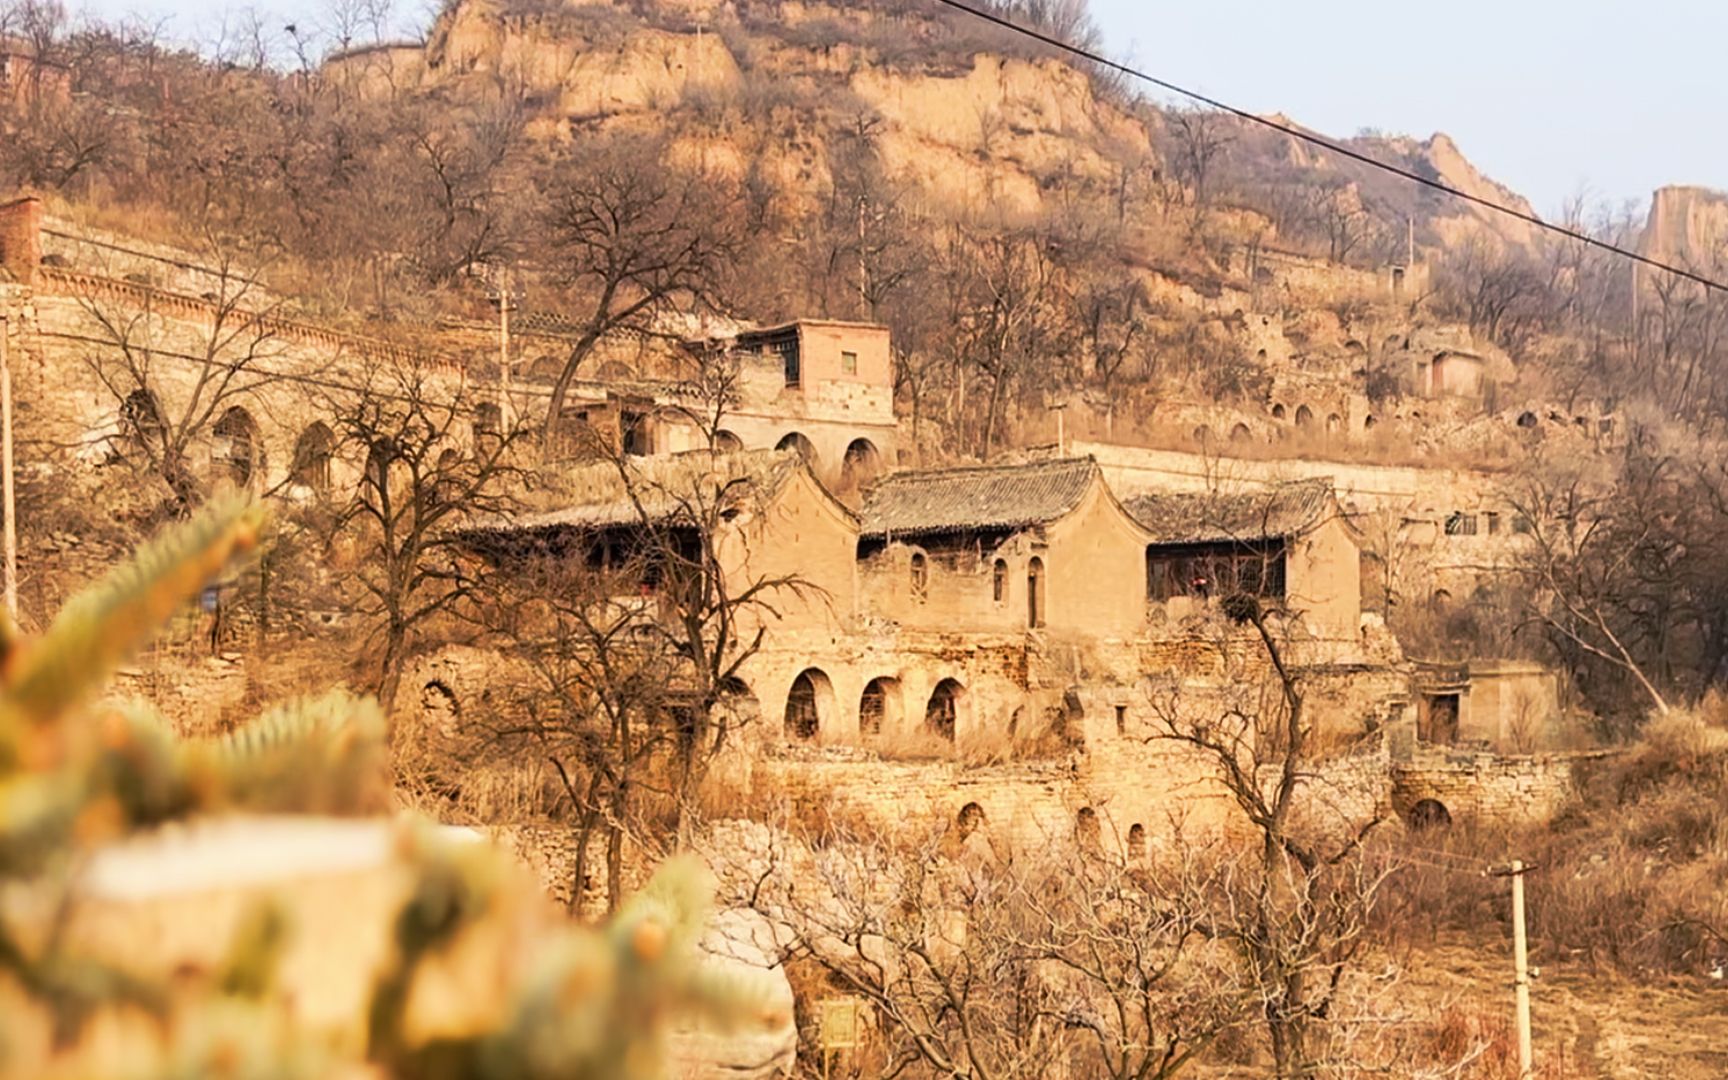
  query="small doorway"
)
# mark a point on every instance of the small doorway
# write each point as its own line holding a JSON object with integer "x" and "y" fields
{"x": 1438, "y": 723}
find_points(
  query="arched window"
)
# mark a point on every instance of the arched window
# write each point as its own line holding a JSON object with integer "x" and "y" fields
{"x": 236, "y": 449}
{"x": 312, "y": 454}
{"x": 920, "y": 576}
{"x": 796, "y": 441}
{"x": 1240, "y": 433}
{"x": 999, "y": 581}
{"x": 1136, "y": 841}
{"x": 805, "y": 704}
{"x": 727, "y": 443}
{"x": 970, "y": 819}
{"x": 1277, "y": 412}
{"x": 942, "y": 715}
{"x": 1035, "y": 593}
{"x": 1304, "y": 416}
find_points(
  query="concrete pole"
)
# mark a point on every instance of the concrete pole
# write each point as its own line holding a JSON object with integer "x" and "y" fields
{"x": 506, "y": 419}
{"x": 6, "y": 496}
{"x": 1521, "y": 972}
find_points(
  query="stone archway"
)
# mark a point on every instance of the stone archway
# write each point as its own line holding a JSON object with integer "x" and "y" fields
{"x": 945, "y": 713}
{"x": 809, "y": 706}
{"x": 879, "y": 707}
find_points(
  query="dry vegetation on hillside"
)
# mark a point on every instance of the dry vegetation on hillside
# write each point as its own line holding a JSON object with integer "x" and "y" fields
{"x": 1104, "y": 259}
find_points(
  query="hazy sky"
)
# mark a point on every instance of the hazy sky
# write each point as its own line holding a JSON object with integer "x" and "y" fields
{"x": 1547, "y": 97}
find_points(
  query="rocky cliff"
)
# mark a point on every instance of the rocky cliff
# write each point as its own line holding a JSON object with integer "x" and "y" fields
{"x": 1688, "y": 226}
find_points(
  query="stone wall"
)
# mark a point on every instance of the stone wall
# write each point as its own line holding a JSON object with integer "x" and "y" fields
{"x": 1483, "y": 787}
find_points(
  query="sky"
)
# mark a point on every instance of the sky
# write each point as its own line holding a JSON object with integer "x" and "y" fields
{"x": 1608, "y": 98}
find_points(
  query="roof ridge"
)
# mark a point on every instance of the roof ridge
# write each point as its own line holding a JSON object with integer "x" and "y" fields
{"x": 957, "y": 470}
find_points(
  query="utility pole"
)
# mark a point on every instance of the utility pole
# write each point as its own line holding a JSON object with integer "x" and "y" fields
{"x": 1520, "y": 967}
{"x": 6, "y": 496}
{"x": 506, "y": 418}
{"x": 863, "y": 266}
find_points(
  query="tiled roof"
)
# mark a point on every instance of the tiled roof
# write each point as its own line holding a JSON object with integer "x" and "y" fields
{"x": 1274, "y": 513}
{"x": 981, "y": 499}
{"x": 663, "y": 489}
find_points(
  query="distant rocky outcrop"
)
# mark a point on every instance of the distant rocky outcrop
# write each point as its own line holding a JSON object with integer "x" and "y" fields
{"x": 1688, "y": 226}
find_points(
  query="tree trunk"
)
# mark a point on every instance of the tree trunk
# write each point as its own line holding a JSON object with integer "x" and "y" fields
{"x": 390, "y": 667}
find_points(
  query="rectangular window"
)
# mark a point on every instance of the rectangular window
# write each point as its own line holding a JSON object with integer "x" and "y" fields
{"x": 636, "y": 441}
{"x": 849, "y": 363}
{"x": 790, "y": 361}
{"x": 1212, "y": 572}
{"x": 1461, "y": 524}
{"x": 1493, "y": 521}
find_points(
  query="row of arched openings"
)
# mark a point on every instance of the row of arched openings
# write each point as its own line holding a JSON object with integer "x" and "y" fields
{"x": 811, "y": 700}
{"x": 237, "y": 451}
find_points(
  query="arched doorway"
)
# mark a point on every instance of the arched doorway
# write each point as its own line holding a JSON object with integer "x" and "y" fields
{"x": 808, "y": 703}
{"x": 796, "y": 441}
{"x": 141, "y": 423}
{"x": 879, "y": 707}
{"x": 236, "y": 450}
{"x": 439, "y": 708}
{"x": 1429, "y": 814}
{"x": 1088, "y": 831}
{"x": 1035, "y": 593}
{"x": 943, "y": 714}
{"x": 312, "y": 454}
{"x": 860, "y": 465}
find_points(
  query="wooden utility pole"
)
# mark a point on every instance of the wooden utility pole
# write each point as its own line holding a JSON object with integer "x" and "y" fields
{"x": 6, "y": 495}
{"x": 1520, "y": 967}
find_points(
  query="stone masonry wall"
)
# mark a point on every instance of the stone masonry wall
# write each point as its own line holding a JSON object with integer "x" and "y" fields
{"x": 1486, "y": 788}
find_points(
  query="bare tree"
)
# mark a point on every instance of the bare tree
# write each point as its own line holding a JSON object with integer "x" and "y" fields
{"x": 1589, "y": 542}
{"x": 176, "y": 376}
{"x": 1202, "y": 136}
{"x": 632, "y": 239}
{"x": 1296, "y": 913}
{"x": 636, "y": 626}
{"x": 430, "y": 469}
{"x": 985, "y": 965}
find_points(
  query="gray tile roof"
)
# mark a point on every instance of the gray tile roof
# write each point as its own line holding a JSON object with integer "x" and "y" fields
{"x": 1273, "y": 513}
{"x": 980, "y": 499}
{"x": 664, "y": 489}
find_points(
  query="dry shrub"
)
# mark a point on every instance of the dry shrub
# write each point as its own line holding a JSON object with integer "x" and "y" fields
{"x": 1436, "y": 885}
{"x": 1633, "y": 877}
{"x": 1483, "y": 1039}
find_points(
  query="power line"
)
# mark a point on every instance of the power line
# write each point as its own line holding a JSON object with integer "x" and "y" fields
{"x": 1332, "y": 147}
